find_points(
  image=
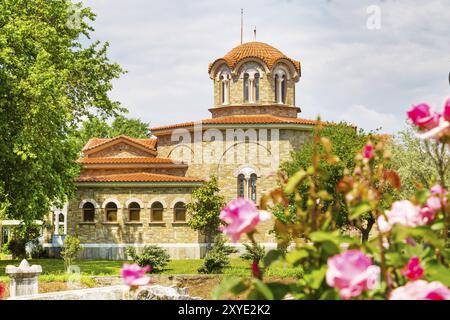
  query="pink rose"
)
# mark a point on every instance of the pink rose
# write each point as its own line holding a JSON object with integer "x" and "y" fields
{"x": 241, "y": 216}
{"x": 413, "y": 270}
{"x": 2, "y": 290}
{"x": 421, "y": 290}
{"x": 256, "y": 271}
{"x": 405, "y": 213}
{"x": 352, "y": 272}
{"x": 438, "y": 190}
{"x": 368, "y": 151}
{"x": 446, "y": 113}
{"x": 434, "y": 203}
{"x": 427, "y": 214}
{"x": 421, "y": 116}
{"x": 134, "y": 276}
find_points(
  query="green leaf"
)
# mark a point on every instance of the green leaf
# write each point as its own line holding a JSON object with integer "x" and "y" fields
{"x": 438, "y": 226}
{"x": 294, "y": 257}
{"x": 279, "y": 290}
{"x": 294, "y": 181}
{"x": 330, "y": 248}
{"x": 360, "y": 209}
{"x": 272, "y": 256}
{"x": 315, "y": 278}
{"x": 234, "y": 285}
{"x": 435, "y": 271}
{"x": 329, "y": 294}
{"x": 263, "y": 290}
{"x": 394, "y": 259}
{"x": 401, "y": 232}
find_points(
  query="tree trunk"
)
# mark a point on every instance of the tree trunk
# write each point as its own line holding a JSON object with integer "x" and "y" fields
{"x": 365, "y": 232}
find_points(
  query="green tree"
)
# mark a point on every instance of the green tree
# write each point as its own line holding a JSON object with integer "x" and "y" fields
{"x": 346, "y": 141}
{"x": 419, "y": 162}
{"x": 70, "y": 250}
{"x": 205, "y": 208}
{"x": 52, "y": 76}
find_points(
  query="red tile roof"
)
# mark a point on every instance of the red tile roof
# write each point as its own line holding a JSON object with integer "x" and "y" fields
{"x": 137, "y": 177}
{"x": 242, "y": 119}
{"x": 97, "y": 142}
{"x": 118, "y": 160}
{"x": 260, "y": 50}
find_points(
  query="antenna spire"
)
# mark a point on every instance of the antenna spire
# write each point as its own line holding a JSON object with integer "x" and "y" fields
{"x": 242, "y": 25}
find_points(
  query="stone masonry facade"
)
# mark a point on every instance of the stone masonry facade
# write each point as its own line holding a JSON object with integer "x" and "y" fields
{"x": 253, "y": 129}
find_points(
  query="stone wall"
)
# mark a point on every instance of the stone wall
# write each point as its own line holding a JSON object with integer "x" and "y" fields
{"x": 266, "y": 91}
{"x": 108, "y": 240}
{"x": 280, "y": 110}
{"x": 289, "y": 140}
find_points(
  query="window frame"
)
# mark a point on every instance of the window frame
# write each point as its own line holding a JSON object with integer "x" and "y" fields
{"x": 132, "y": 208}
{"x": 176, "y": 210}
{"x": 153, "y": 208}
{"x": 109, "y": 210}
{"x": 85, "y": 209}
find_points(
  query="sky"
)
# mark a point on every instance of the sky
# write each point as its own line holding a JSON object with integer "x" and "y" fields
{"x": 355, "y": 67}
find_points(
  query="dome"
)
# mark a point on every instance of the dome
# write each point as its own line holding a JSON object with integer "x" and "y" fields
{"x": 268, "y": 54}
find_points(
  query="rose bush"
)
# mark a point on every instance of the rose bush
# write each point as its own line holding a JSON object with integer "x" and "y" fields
{"x": 407, "y": 257}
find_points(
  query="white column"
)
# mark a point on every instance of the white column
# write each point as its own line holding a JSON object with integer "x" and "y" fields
{"x": 251, "y": 90}
{"x": 227, "y": 90}
{"x": 65, "y": 222}
{"x": 56, "y": 232}
{"x": 280, "y": 97}
{"x": 246, "y": 188}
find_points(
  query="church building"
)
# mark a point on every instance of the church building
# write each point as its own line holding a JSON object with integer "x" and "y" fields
{"x": 133, "y": 192}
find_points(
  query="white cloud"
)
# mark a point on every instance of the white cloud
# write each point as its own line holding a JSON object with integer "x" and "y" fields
{"x": 370, "y": 120}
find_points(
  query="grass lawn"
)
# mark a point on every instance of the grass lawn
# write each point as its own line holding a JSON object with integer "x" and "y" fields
{"x": 53, "y": 269}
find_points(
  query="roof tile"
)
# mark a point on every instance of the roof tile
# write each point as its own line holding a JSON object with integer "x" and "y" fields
{"x": 260, "y": 50}
{"x": 137, "y": 177}
{"x": 242, "y": 119}
{"x": 121, "y": 160}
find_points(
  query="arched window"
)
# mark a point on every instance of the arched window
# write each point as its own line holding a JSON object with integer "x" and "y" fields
{"x": 225, "y": 88}
{"x": 280, "y": 87}
{"x": 88, "y": 212}
{"x": 241, "y": 185}
{"x": 179, "y": 212}
{"x": 134, "y": 211}
{"x": 246, "y": 87}
{"x": 252, "y": 187}
{"x": 156, "y": 212}
{"x": 256, "y": 87}
{"x": 111, "y": 212}
{"x": 276, "y": 87}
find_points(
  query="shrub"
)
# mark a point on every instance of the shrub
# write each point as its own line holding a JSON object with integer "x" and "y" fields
{"x": 71, "y": 248}
{"x": 217, "y": 258}
{"x": 5, "y": 249}
{"x": 153, "y": 256}
{"x": 254, "y": 253}
{"x": 17, "y": 248}
{"x": 21, "y": 235}
{"x": 37, "y": 251}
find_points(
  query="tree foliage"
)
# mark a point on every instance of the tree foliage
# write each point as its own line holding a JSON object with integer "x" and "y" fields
{"x": 346, "y": 142}
{"x": 205, "y": 208}
{"x": 70, "y": 250}
{"x": 419, "y": 162}
{"x": 50, "y": 80}
{"x": 100, "y": 128}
